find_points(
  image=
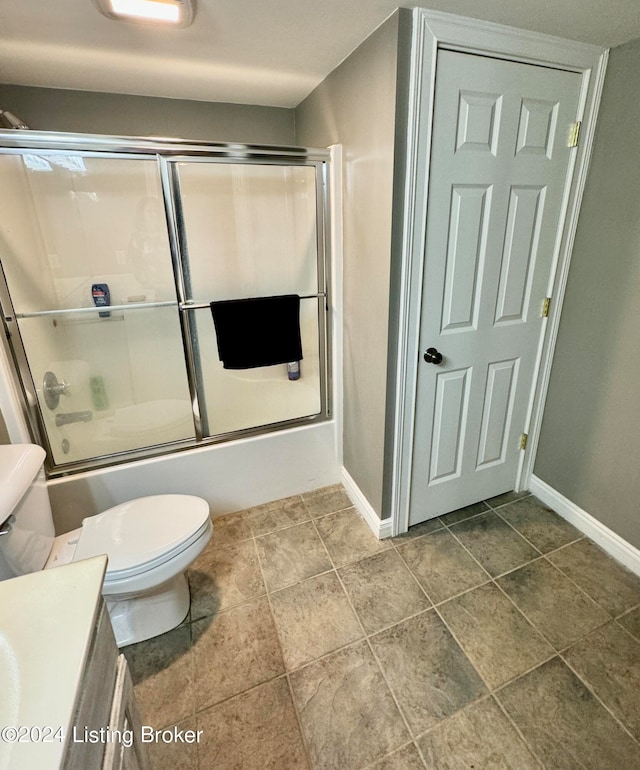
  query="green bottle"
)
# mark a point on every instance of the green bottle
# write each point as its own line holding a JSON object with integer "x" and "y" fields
{"x": 98, "y": 393}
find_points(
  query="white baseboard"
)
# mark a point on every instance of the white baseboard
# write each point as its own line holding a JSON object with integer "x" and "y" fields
{"x": 607, "y": 539}
{"x": 380, "y": 529}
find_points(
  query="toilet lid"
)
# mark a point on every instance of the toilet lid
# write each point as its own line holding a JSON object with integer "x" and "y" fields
{"x": 140, "y": 534}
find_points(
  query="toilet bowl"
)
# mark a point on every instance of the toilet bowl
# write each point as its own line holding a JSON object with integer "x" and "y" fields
{"x": 149, "y": 543}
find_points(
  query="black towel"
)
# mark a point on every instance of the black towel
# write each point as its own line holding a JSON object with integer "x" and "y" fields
{"x": 258, "y": 332}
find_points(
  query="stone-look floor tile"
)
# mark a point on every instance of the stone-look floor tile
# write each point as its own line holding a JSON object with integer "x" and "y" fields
{"x": 498, "y": 640}
{"x": 175, "y": 755}
{"x": 611, "y": 585}
{"x": 552, "y": 603}
{"x": 232, "y": 528}
{"x": 348, "y": 537}
{"x": 291, "y": 555}
{"x": 277, "y": 515}
{"x": 406, "y": 758}
{"x": 478, "y": 736}
{"x": 609, "y": 661}
{"x": 542, "y": 527}
{"x": 234, "y": 651}
{"x": 426, "y": 670}
{"x": 326, "y": 500}
{"x": 507, "y": 497}
{"x": 564, "y": 724}
{"x": 631, "y": 621}
{"x": 417, "y": 530}
{"x": 162, "y": 674}
{"x": 348, "y": 715}
{"x": 257, "y": 730}
{"x": 464, "y": 513}
{"x": 383, "y": 591}
{"x": 223, "y": 577}
{"x": 441, "y": 565}
{"x": 313, "y": 618}
{"x": 494, "y": 544}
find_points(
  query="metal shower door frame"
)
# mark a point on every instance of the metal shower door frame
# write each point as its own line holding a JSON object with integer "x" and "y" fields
{"x": 168, "y": 152}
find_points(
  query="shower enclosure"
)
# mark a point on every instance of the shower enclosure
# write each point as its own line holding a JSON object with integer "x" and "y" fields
{"x": 112, "y": 251}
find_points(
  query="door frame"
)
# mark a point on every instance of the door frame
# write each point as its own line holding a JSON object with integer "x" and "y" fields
{"x": 432, "y": 31}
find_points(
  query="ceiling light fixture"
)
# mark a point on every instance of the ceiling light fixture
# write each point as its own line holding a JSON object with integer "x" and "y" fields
{"x": 178, "y": 13}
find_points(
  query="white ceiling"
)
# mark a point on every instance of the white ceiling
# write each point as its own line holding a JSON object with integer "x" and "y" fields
{"x": 271, "y": 52}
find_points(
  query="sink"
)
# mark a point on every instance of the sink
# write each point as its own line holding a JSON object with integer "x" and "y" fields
{"x": 46, "y": 625}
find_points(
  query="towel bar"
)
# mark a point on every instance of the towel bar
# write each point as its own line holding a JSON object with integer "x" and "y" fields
{"x": 191, "y": 305}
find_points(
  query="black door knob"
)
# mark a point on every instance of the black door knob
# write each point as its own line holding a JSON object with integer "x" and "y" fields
{"x": 432, "y": 356}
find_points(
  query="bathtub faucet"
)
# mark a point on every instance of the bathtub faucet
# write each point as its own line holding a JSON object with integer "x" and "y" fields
{"x": 65, "y": 418}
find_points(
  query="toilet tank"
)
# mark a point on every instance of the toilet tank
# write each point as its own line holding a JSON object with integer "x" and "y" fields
{"x": 25, "y": 511}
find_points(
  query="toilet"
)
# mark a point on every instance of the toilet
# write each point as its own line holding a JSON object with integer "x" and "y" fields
{"x": 149, "y": 542}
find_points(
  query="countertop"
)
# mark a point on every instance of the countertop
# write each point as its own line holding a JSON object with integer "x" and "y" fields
{"x": 47, "y": 621}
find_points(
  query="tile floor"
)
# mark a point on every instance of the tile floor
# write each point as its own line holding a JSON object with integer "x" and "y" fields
{"x": 494, "y": 637}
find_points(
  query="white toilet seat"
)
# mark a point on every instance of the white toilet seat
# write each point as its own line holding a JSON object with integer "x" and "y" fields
{"x": 148, "y": 541}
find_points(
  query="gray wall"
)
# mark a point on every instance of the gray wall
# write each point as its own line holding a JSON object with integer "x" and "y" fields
{"x": 589, "y": 447}
{"x": 51, "y": 109}
{"x": 355, "y": 106}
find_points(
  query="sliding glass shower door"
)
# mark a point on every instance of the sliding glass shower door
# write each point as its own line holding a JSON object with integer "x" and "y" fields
{"x": 110, "y": 261}
{"x": 78, "y": 231}
{"x": 251, "y": 231}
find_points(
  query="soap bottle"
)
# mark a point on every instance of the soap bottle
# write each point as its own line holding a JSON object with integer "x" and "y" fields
{"x": 101, "y": 297}
{"x": 293, "y": 370}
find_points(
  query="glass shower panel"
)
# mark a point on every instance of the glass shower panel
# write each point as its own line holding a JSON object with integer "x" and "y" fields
{"x": 107, "y": 380}
{"x": 251, "y": 231}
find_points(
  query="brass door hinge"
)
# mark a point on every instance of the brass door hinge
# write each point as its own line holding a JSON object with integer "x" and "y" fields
{"x": 574, "y": 134}
{"x": 523, "y": 441}
{"x": 546, "y": 303}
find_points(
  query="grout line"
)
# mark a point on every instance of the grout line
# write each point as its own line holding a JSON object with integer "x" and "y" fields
{"x": 517, "y": 531}
{"x": 591, "y": 689}
{"x": 284, "y": 664}
{"x": 391, "y": 753}
{"x": 210, "y": 706}
{"x": 399, "y": 540}
{"x": 553, "y": 654}
{"x": 299, "y": 582}
{"x": 580, "y": 589}
{"x": 420, "y": 754}
{"x": 371, "y": 634}
{"x": 626, "y": 630}
{"x": 280, "y": 529}
{"x": 490, "y": 690}
{"x": 526, "y": 617}
{"x": 459, "y": 543}
{"x": 325, "y": 655}
{"x": 419, "y": 584}
{"x": 375, "y": 657}
{"x": 531, "y": 543}
{"x": 539, "y": 557}
{"x": 468, "y": 659}
{"x": 567, "y": 545}
{"x": 509, "y": 502}
{"x": 558, "y": 650}
{"x": 567, "y": 647}
{"x": 467, "y": 518}
{"x": 519, "y": 732}
{"x": 482, "y": 567}
{"x": 519, "y": 534}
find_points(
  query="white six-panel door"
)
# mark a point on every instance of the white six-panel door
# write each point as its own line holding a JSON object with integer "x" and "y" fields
{"x": 498, "y": 171}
